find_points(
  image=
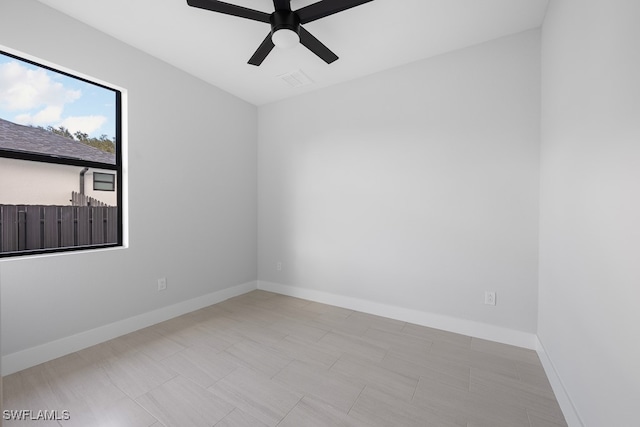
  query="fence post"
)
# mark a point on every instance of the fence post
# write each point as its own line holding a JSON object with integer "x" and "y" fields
{"x": 22, "y": 229}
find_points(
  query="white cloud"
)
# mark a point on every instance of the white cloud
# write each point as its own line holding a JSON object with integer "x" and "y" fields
{"x": 84, "y": 124}
{"x": 46, "y": 116}
{"x": 24, "y": 89}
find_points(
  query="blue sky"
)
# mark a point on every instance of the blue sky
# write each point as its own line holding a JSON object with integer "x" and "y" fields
{"x": 32, "y": 95}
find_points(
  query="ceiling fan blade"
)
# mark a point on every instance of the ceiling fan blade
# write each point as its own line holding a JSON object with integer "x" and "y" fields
{"x": 230, "y": 9}
{"x": 315, "y": 46}
{"x": 282, "y": 4}
{"x": 263, "y": 50}
{"x": 325, "y": 8}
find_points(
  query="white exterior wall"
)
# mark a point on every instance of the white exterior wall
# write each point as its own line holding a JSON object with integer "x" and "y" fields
{"x": 33, "y": 183}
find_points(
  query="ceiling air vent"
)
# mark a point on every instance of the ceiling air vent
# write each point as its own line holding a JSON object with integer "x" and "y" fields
{"x": 296, "y": 78}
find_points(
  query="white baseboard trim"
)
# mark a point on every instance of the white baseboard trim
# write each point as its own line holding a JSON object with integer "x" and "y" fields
{"x": 566, "y": 404}
{"x": 33, "y": 356}
{"x": 438, "y": 321}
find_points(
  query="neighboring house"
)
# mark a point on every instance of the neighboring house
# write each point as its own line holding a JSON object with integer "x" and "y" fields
{"x": 28, "y": 182}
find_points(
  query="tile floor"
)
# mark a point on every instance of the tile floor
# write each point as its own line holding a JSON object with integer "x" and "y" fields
{"x": 263, "y": 359}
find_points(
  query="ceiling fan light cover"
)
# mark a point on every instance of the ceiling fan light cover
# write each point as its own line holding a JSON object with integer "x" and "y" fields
{"x": 285, "y": 38}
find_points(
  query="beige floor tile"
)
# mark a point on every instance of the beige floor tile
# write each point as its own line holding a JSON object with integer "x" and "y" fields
{"x": 510, "y": 389}
{"x": 377, "y": 322}
{"x": 494, "y": 423}
{"x": 315, "y": 380}
{"x": 432, "y": 367}
{"x": 375, "y": 375}
{"x": 552, "y": 417}
{"x": 297, "y": 312}
{"x": 356, "y": 326}
{"x": 257, "y": 357}
{"x": 499, "y": 349}
{"x": 244, "y": 312}
{"x": 436, "y": 335}
{"x": 116, "y": 347}
{"x": 376, "y": 408}
{"x": 137, "y": 373}
{"x": 319, "y": 308}
{"x": 533, "y": 375}
{"x": 257, "y": 395}
{"x": 181, "y": 403}
{"x": 356, "y": 346}
{"x": 69, "y": 383}
{"x": 152, "y": 343}
{"x": 72, "y": 379}
{"x": 217, "y": 318}
{"x": 263, "y": 359}
{"x": 475, "y": 408}
{"x": 122, "y": 413}
{"x": 452, "y": 351}
{"x": 28, "y": 390}
{"x": 476, "y": 359}
{"x": 312, "y": 412}
{"x": 201, "y": 334}
{"x": 543, "y": 420}
{"x": 400, "y": 342}
{"x": 295, "y": 328}
{"x": 238, "y": 418}
{"x": 497, "y": 364}
{"x": 201, "y": 364}
{"x": 330, "y": 311}
{"x": 292, "y": 347}
{"x": 258, "y": 332}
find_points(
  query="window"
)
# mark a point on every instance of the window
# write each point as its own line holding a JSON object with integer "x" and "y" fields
{"x": 56, "y": 130}
{"x": 104, "y": 181}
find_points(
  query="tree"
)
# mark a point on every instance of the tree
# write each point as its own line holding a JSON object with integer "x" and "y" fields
{"x": 62, "y": 131}
{"x": 104, "y": 143}
{"x": 82, "y": 137}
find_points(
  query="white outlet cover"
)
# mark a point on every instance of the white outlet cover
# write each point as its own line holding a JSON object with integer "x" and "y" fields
{"x": 490, "y": 298}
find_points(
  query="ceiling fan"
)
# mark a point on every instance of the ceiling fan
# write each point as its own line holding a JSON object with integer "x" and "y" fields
{"x": 286, "y": 30}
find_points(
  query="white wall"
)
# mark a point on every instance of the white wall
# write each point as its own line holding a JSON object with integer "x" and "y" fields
{"x": 415, "y": 187}
{"x": 33, "y": 183}
{"x": 191, "y": 192}
{"x": 589, "y": 321}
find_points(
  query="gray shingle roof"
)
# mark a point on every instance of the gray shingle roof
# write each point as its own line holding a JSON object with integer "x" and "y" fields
{"x": 20, "y": 138}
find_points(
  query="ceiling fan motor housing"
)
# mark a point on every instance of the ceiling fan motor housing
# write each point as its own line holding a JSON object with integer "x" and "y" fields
{"x": 284, "y": 20}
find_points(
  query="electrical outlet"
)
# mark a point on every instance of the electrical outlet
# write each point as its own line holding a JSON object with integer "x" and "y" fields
{"x": 162, "y": 284}
{"x": 490, "y": 298}
{"x": 279, "y": 266}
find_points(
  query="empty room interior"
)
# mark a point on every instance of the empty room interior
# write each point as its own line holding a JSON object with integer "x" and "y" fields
{"x": 438, "y": 228}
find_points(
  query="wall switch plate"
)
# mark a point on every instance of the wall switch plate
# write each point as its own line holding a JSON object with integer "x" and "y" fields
{"x": 162, "y": 284}
{"x": 490, "y": 298}
{"x": 279, "y": 266}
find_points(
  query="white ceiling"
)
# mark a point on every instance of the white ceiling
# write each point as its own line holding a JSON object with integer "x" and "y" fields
{"x": 372, "y": 37}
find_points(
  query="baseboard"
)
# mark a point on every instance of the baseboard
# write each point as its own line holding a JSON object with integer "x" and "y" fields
{"x": 33, "y": 356}
{"x": 566, "y": 404}
{"x": 438, "y": 321}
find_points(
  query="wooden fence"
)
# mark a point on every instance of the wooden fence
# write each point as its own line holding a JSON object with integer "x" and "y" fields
{"x": 32, "y": 227}
{"x": 78, "y": 199}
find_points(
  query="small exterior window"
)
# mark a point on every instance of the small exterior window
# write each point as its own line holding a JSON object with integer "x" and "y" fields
{"x": 104, "y": 181}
